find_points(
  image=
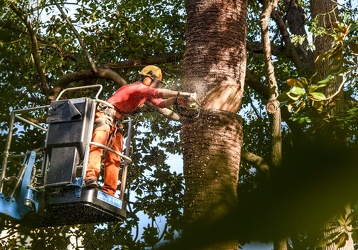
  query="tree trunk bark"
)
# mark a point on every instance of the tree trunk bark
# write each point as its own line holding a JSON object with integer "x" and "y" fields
{"x": 214, "y": 67}
{"x": 326, "y": 12}
{"x": 215, "y": 57}
{"x": 211, "y": 150}
{"x": 296, "y": 20}
{"x": 272, "y": 105}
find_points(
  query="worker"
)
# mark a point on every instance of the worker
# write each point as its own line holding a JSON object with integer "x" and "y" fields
{"x": 107, "y": 128}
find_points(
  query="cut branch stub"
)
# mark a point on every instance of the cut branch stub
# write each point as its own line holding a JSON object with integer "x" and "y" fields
{"x": 272, "y": 106}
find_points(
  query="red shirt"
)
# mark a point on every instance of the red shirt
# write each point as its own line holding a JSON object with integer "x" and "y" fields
{"x": 129, "y": 97}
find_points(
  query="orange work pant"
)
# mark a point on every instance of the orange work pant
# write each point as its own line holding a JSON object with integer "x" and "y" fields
{"x": 105, "y": 134}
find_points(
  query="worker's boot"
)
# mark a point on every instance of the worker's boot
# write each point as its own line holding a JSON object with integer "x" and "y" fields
{"x": 91, "y": 183}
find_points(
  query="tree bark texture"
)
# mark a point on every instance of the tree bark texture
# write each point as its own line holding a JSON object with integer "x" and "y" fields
{"x": 214, "y": 68}
{"x": 326, "y": 12}
{"x": 215, "y": 57}
{"x": 295, "y": 18}
{"x": 273, "y": 106}
{"x": 211, "y": 151}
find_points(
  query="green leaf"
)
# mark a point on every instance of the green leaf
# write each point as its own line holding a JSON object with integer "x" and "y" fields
{"x": 302, "y": 120}
{"x": 324, "y": 82}
{"x": 317, "y": 96}
{"x": 297, "y": 91}
{"x": 312, "y": 88}
{"x": 293, "y": 97}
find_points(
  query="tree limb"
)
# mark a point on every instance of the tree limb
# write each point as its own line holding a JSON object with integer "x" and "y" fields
{"x": 286, "y": 37}
{"x": 256, "y": 161}
{"x": 264, "y": 20}
{"x": 84, "y": 75}
{"x": 276, "y": 136}
{"x": 64, "y": 54}
{"x": 105, "y": 74}
{"x": 79, "y": 38}
{"x": 254, "y": 82}
{"x": 34, "y": 48}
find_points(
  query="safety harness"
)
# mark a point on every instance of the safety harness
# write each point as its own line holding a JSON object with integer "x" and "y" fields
{"x": 111, "y": 113}
{"x": 116, "y": 125}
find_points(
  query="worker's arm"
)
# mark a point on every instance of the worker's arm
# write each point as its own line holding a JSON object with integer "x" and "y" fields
{"x": 167, "y": 102}
{"x": 162, "y": 103}
{"x": 167, "y": 93}
{"x": 168, "y": 97}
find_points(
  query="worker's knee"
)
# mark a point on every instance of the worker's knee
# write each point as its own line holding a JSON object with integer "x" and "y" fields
{"x": 102, "y": 124}
{"x": 112, "y": 160}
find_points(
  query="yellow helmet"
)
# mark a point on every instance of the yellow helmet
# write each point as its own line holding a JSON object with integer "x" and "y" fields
{"x": 152, "y": 71}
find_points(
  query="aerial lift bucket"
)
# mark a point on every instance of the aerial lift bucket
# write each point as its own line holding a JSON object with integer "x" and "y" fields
{"x": 54, "y": 194}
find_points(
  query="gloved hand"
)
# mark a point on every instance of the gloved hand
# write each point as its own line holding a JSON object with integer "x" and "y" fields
{"x": 193, "y": 101}
{"x": 188, "y": 100}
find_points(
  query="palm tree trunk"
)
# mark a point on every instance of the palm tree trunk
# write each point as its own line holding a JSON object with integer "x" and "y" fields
{"x": 214, "y": 67}
{"x": 211, "y": 150}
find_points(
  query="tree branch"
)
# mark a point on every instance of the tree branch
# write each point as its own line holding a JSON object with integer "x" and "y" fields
{"x": 256, "y": 161}
{"x": 264, "y": 20}
{"x": 63, "y": 53}
{"x": 273, "y": 104}
{"x": 79, "y": 38}
{"x": 286, "y": 37}
{"x": 34, "y": 48}
{"x": 84, "y": 75}
{"x": 105, "y": 74}
{"x": 275, "y": 112}
{"x": 254, "y": 82}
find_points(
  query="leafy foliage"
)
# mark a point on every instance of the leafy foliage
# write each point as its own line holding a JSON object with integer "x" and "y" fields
{"x": 306, "y": 99}
{"x": 338, "y": 230}
{"x": 305, "y": 93}
{"x": 113, "y": 31}
{"x": 121, "y": 31}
